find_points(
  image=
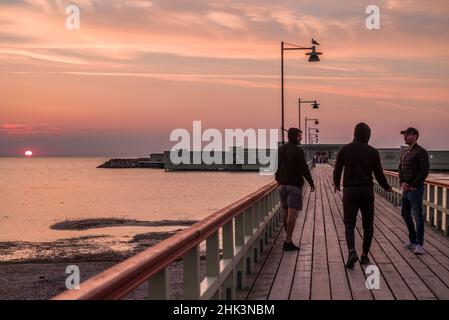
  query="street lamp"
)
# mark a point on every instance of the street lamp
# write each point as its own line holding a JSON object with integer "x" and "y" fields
{"x": 314, "y": 105}
{"x": 313, "y": 57}
{"x": 313, "y": 133}
{"x": 315, "y": 121}
{"x": 312, "y": 138}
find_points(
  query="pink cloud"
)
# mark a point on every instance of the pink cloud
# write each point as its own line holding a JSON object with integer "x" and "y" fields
{"x": 23, "y": 129}
{"x": 138, "y": 53}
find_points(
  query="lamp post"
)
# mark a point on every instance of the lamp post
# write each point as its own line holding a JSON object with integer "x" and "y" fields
{"x": 312, "y": 137}
{"x": 313, "y": 133}
{"x": 316, "y": 122}
{"x": 314, "y": 105}
{"x": 313, "y": 57}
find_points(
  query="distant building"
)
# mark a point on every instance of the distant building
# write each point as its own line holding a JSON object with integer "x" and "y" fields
{"x": 239, "y": 159}
{"x": 156, "y": 158}
{"x": 236, "y": 159}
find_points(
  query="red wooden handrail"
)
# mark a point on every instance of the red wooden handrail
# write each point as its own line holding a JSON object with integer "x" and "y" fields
{"x": 119, "y": 280}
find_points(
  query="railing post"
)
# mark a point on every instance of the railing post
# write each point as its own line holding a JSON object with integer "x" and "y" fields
{"x": 249, "y": 223}
{"x": 393, "y": 183}
{"x": 392, "y": 194}
{"x": 438, "y": 204}
{"x": 398, "y": 194}
{"x": 228, "y": 240}
{"x": 385, "y": 194}
{"x": 264, "y": 208}
{"x": 191, "y": 262}
{"x": 259, "y": 213}
{"x": 265, "y": 215}
{"x": 275, "y": 203}
{"x": 271, "y": 212}
{"x": 256, "y": 221}
{"x": 280, "y": 216}
{"x": 275, "y": 220}
{"x": 263, "y": 230}
{"x": 228, "y": 254}
{"x": 279, "y": 209}
{"x": 427, "y": 206}
{"x": 213, "y": 258}
{"x": 431, "y": 216}
{"x": 279, "y": 213}
{"x": 212, "y": 255}
{"x": 445, "y": 221}
{"x": 240, "y": 243}
{"x": 158, "y": 286}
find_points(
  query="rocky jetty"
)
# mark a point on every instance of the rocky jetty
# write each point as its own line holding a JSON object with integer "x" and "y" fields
{"x": 131, "y": 163}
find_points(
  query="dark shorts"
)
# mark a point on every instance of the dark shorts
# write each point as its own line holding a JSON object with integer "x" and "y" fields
{"x": 291, "y": 197}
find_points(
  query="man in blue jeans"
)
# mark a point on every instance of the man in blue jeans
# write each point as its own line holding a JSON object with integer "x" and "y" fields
{"x": 413, "y": 170}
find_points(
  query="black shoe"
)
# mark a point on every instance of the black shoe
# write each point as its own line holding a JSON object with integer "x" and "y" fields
{"x": 289, "y": 246}
{"x": 364, "y": 259}
{"x": 352, "y": 259}
{"x": 283, "y": 246}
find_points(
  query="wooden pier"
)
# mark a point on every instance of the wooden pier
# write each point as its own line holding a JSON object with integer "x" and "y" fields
{"x": 318, "y": 270}
{"x": 245, "y": 260}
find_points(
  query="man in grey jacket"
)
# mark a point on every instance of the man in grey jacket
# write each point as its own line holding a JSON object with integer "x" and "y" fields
{"x": 413, "y": 170}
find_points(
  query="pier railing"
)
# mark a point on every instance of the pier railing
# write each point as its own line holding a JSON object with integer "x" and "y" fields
{"x": 435, "y": 200}
{"x": 245, "y": 228}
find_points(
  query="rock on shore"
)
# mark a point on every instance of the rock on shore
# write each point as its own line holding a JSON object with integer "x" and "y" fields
{"x": 94, "y": 223}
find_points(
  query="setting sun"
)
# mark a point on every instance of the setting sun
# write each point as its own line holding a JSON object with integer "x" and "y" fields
{"x": 28, "y": 153}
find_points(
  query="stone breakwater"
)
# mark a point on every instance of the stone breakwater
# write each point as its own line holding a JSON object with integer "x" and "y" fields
{"x": 130, "y": 163}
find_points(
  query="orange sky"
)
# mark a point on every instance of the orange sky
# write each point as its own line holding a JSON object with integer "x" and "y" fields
{"x": 138, "y": 69}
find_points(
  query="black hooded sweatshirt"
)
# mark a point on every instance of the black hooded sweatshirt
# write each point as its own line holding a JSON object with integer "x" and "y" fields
{"x": 359, "y": 161}
{"x": 292, "y": 164}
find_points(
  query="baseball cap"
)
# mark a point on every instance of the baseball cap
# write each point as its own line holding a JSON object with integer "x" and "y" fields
{"x": 410, "y": 130}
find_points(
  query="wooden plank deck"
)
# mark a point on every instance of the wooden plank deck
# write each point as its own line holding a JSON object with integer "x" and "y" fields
{"x": 317, "y": 271}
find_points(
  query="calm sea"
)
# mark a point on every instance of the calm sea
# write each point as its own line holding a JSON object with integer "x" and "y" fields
{"x": 38, "y": 192}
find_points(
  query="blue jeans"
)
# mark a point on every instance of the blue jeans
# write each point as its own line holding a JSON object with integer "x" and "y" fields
{"x": 412, "y": 206}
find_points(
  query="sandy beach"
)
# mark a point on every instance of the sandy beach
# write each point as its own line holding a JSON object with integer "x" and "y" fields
{"x": 36, "y": 270}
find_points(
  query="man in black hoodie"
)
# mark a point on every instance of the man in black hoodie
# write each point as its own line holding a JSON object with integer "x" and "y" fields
{"x": 292, "y": 169}
{"x": 359, "y": 161}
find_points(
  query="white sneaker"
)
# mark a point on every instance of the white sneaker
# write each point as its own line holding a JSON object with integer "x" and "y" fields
{"x": 419, "y": 249}
{"x": 410, "y": 245}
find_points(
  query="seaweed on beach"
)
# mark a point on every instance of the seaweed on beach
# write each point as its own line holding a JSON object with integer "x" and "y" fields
{"x": 94, "y": 223}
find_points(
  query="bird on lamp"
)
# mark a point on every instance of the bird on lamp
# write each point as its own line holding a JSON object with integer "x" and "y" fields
{"x": 315, "y": 42}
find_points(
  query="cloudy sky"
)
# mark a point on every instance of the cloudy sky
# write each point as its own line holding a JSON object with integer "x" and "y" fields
{"x": 138, "y": 69}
